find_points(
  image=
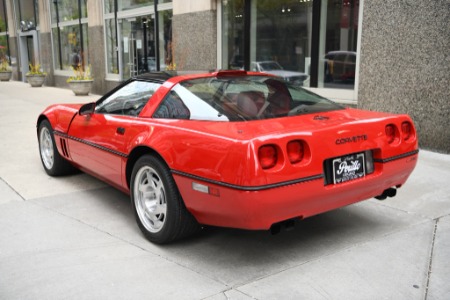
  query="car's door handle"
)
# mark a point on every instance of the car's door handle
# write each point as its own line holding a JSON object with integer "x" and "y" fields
{"x": 120, "y": 130}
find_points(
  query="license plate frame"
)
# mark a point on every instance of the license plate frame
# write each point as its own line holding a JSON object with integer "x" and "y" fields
{"x": 349, "y": 167}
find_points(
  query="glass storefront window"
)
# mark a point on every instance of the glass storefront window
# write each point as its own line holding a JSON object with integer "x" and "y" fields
{"x": 68, "y": 10}
{"x": 281, "y": 38}
{"x": 339, "y": 36}
{"x": 56, "y": 47}
{"x": 3, "y": 44}
{"x": 126, "y": 4}
{"x": 112, "y": 60}
{"x": 70, "y": 38}
{"x": 72, "y": 55}
{"x": 109, "y": 6}
{"x": 143, "y": 39}
{"x": 3, "y": 19}
{"x": 27, "y": 14}
{"x": 309, "y": 43}
{"x": 233, "y": 34}
{"x": 165, "y": 41}
{"x": 4, "y": 51}
{"x": 137, "y": 45}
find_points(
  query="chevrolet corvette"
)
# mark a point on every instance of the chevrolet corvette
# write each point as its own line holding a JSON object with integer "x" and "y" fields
{"x": 228, "y": 148}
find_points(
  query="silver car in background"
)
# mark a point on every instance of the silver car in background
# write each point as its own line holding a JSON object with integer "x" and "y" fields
{"x": 274, "y": 68}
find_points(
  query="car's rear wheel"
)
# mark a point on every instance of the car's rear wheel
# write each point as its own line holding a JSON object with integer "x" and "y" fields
{"x": 159, "y": 209}
{"x": 54, "y": 164}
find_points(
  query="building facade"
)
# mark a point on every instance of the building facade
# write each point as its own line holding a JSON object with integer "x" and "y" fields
{"x": 382, "y": 55}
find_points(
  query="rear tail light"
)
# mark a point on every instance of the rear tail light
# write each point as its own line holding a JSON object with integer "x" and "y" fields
{"x": 390, "y": 133}
{"x": 406, "y": 130}
{"x": 295, "y": 151}
{"x": 268, "y": 156}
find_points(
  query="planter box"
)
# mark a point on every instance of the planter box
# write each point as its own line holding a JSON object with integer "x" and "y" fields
{"x": 5, "y": 75}
{"x": 81, "y": 87}
{"x": 36, "y": 80}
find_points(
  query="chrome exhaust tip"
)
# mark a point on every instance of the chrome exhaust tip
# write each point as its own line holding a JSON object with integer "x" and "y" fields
{"x": 390, "y": 192}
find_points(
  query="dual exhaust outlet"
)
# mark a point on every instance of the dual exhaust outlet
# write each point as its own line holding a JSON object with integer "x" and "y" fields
{"x": 390, "y": 192}
{"x": 289, "y": 224}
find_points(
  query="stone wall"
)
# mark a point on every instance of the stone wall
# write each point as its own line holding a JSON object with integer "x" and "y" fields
{"x": 405, "y": 64}
{"x": 195, "y": 40}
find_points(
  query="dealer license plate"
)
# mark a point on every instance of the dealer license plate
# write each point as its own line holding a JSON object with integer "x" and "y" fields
{"x": 348, "y": 168}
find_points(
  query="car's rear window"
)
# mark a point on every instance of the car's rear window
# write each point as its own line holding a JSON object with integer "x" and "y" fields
{"x": 240, "y": 98}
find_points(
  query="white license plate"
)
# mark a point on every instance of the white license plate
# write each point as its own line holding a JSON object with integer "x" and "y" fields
{"x": 348, "y": 168}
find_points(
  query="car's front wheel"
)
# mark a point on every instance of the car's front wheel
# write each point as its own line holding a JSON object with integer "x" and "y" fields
{"x": 159, "y": 209}
{"x": 54, "y": 164}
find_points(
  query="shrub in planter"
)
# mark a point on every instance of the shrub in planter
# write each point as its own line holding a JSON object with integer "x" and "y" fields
{"x": 35, "y": 76}
{"x": 81, "y": 82}
{"x": 5, "y": 70}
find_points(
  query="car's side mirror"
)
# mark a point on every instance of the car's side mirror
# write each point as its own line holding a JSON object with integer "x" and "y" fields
{"x": 87, "y": 109}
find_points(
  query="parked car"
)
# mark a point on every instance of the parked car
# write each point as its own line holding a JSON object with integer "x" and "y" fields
{"x": 273, "y": 67}
{"x": 340, "y": 65}
{"x": 230, "y": 148}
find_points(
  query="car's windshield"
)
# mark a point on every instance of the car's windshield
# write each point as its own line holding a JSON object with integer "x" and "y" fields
{"x": 239, "y": 98}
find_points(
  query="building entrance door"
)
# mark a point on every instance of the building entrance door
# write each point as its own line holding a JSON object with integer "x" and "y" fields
{"x": 28, "y": 51}
{"x": 137, "y": 53}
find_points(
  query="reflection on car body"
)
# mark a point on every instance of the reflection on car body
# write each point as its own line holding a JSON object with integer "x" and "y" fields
{"x": 230, "y": 148}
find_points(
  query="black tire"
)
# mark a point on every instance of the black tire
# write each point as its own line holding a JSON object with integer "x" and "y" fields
{"x": 161, "y": 213}
{"x": 54, "y": 164}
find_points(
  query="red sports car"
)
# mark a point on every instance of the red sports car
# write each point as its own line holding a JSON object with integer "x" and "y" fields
{"x": 229, "y": 148}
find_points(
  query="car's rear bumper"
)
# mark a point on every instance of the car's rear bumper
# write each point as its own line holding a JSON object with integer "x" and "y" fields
{"x": 261, "y": 208}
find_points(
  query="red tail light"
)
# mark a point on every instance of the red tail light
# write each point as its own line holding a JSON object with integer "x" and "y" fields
{"x": 390, "y": 133}
{"x": 267, "y": 156}
{"x": 406, "y": 130}
{"x": 295, "y": 151}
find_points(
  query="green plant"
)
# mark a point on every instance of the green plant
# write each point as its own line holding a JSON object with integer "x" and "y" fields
{"x": 4, "y": 65}
{"x": 171, "y": 67}
{"x": 35, "y": 70}
{"x": 81, "y": 73}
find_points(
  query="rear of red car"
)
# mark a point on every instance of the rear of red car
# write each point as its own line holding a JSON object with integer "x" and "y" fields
{"x": 299, "y": 166}
{"x": 244, "y": 150}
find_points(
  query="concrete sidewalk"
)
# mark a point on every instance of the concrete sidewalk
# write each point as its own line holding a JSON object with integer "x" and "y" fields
{"x": 76, "y": 238}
